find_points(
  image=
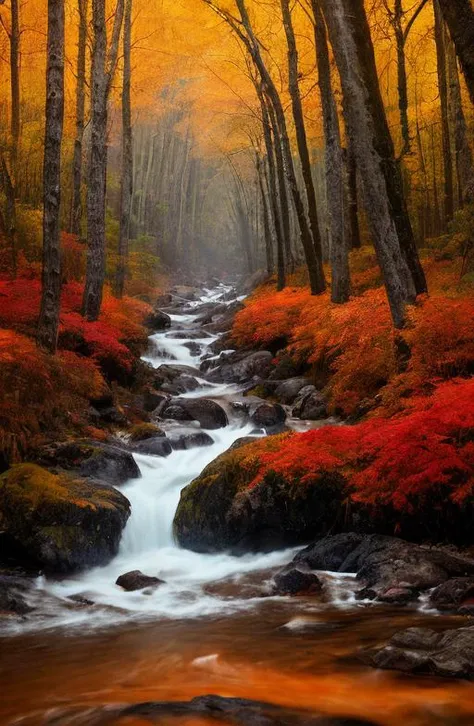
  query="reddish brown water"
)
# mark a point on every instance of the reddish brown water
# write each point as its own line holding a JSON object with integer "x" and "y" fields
{"x": 249, "y": 656}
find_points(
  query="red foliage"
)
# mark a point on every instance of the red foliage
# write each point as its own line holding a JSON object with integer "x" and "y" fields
{"x": 403, "y": 463}
{"x": 41, "y": 394}
{"x": 112, "y": 341}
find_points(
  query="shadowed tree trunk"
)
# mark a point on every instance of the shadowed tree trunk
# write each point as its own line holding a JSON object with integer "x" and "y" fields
{"x": 354, "y": 241}
{"x": 267, "y": 234}
{"x": 103, "y": 70}
{"x": 126, "y": 189}
{"x": 298, "y": 117}
{"x": 273, "y": 190}
{"x": 287, "y": 253}
{"x": 366, "y": 124}
{"x": 448, "y": 205}
{"x": 76, "y": 212}
{"x": 51, "y": 292}
{"x": 339, "y": 250}
{"x": 459, "y": 17}
{"x": 462, "y": 150}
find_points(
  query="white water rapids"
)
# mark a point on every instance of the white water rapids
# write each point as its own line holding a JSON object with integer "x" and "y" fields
{"x": 147, "y": 541}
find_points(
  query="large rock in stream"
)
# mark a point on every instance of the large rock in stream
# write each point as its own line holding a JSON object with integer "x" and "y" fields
{"x": 224, "y": 510}
{"x": 62, "y": 521}
{"x": 209, "y": 413}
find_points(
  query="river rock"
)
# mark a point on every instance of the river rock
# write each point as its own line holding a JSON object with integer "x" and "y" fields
{"x": 209, "y": 413}
{"x": 156, "y": 446}
{"x": 448, "y": 654}
{"x": 163, "y": 300}
{"x": 152, "y": 399}
{"x": 287, "y": 368}
{"x": 136, "y": 580}
{"x": 256, "y": 364}
{"x": 232, "y": 711}
{"x": 157, "y": 320}
{"x": 63, "y": 522}
{"x": 144, "y": 431}
{"x": 190, "y": 440}
{"x": 91, "y": 459}
{"x": 389, "y": 568}
{"x": 297, "y": 582}
{"x": 268, "y": 415}
{"x": 219, "y": 511}
{"x": 209, "y": 315}
{"x": 310, "y": 404}
{"x": 287, "y": 391}
{"x": 194, "y": 348}
{"x": 13, "y": 591}
{"x": 455, "y": 595}
{"x": 181, "y": 384}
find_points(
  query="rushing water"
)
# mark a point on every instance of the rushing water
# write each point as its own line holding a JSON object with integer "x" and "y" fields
{"x": 208, "y": 629}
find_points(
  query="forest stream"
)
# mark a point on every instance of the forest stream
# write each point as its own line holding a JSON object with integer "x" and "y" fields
{"x": 214, "y": 627}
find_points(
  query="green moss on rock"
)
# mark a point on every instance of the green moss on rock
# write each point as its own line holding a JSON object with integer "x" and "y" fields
{"x": 62, "y": 521}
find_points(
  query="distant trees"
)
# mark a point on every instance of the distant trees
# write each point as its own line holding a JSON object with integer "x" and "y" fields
{"x": 51, "y": 290}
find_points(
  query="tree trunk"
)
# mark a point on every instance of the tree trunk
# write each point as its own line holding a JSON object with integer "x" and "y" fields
{"x": 126, "y": 189}
{"x": 51, "y": 292}
{"x": 339, "y": 250}
{"x": 448, "y": 205}
{"x": 313, "y": 262}
{"x": 284, "y": 210}
{"x": 15, "y": 84}
{"x": 273, "y": 191}
{"x": 355, "y": 242}
{"x": 367, "y": 126}
{"x": 402, "y": 82}
{"x": 265, "y": 215}
{"x": 459, "y": 17}
{"x": 76, "y": 212}
{"x": 298, "y": 117}
{"x": 103, "y": 70}
{"x": 462, "y": 150}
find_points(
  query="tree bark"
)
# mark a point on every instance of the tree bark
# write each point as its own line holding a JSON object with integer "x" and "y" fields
{"x": 273, "y": 190}
{"x": 367, "y": 126}
{"x": 76, "y": 212}
{"x": 339, "y": 250}
{"x": 459, "y": 17}
{"x": 15, "y": 84}
{"x": 313, "y": 263}
{"x": 462, "y": 150}
{"x": 267, "y": 234}
{"x": 298, "y": 117}
{"x": 126, "y": 188}
{"x": 355, "y": 241}
{"x": 51, "y": 292}
{"x": 103, "y": 70}
{"x": 448, "y": 206}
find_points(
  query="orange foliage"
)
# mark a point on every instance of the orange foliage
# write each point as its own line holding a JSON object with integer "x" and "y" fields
{"x": 40, "y": 393}
{"x": 356, "y": 341}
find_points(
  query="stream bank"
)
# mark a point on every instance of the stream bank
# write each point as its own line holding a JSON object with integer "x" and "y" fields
{"x": 213, "y": 622}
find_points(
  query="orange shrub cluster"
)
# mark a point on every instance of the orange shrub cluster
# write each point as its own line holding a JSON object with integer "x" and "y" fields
{"x": 41, "y": 394}
{"x": 357, "y": 344}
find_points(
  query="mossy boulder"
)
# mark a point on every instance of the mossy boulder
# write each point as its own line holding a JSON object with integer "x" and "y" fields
{"x": 63, "y": 522}
{"x": 93, "y": 459}
{"x": 225, "y": 510}
{"x": 144, "y": 431}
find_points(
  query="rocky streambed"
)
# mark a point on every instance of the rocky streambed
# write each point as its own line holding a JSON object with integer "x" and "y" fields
{"x": 136, "y": 570}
